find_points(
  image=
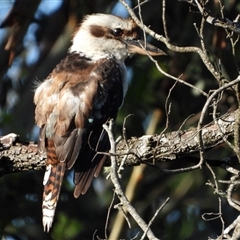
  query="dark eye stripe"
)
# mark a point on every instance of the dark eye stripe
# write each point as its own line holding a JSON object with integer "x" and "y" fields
{"x": 97, "y": 31}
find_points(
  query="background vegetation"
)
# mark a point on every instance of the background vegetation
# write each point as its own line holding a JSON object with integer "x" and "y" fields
{"x": 35, "y": 51}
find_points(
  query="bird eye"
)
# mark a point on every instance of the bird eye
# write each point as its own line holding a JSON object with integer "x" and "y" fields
{"x": 117, "y": 32}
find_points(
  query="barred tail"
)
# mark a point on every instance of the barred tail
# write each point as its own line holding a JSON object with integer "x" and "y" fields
{"x": 52, "y": 185}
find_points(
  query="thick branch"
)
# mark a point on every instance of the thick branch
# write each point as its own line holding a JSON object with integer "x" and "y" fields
{"x": 19, "y": 156}
{"x": 173, "y": 145}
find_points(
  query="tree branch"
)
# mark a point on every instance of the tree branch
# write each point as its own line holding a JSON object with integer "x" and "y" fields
{"x": 16, "y": 155}
{"x": 223, "y": 23}
{"x": 118, "y": 189}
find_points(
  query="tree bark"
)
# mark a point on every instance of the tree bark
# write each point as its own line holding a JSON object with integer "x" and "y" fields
{"x": 16, "y": 156}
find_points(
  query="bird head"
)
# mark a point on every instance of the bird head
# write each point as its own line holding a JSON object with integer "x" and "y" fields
{"x": 108, "y": 36}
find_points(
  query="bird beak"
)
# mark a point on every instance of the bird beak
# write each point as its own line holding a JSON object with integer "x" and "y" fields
{"x": 141, "y": 47}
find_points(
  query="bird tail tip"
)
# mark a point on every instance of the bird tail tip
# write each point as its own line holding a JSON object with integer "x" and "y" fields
{"x": 52, "y": 184}
{"x": 47, "y": 223}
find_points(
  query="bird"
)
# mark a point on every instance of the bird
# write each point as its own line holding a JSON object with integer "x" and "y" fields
{"x": 82, "y": 93}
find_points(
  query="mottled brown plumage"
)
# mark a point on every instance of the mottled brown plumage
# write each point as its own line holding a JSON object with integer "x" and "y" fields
{"x": 83, "y": 92}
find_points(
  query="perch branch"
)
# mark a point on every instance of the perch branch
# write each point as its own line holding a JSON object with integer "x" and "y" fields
{"x": 16, "y": 155}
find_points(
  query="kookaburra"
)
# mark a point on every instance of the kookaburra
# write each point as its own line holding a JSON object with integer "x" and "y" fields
{"x": 83, "y": 92}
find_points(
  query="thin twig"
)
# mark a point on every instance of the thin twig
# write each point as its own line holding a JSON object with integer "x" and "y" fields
{"x": 172, "y": 47}
{"x": 118, "y": 189}
{"x": 108, "y": 214}
{"x": 155, "y": 215}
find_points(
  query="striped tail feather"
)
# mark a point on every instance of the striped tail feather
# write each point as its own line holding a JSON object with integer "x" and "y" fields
{"x": 52, "y": 182}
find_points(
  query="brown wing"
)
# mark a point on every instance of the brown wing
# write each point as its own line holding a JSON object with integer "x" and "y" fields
{"x": 71, "y": 106}
{"x": 75, "y": 100}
